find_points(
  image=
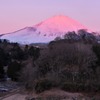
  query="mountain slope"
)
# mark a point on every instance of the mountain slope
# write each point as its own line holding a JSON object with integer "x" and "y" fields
{"x": 58, "y": 25}
{"x": 45, "y": 31}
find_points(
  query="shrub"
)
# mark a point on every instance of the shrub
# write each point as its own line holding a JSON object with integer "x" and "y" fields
{"x": 69, "y": 87}
{"x": 42, "y": 85}
{"x": 96, "y": 50}
{"x": 73, "y": 87}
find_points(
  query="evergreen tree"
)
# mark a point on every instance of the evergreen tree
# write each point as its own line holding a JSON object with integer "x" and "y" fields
{"x": 17, "y": 53}
{"x": 14, "y": 70}
{"x": 1, "y": 72}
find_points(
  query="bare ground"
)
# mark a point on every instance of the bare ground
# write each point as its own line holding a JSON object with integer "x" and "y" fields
{"x": 54, "y": 94}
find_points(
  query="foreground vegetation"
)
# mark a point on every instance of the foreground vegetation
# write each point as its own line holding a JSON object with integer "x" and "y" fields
{"x": 71, "y": 65}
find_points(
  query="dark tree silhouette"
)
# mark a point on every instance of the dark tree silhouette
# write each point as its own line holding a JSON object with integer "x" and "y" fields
{"x": 13, "y": 71}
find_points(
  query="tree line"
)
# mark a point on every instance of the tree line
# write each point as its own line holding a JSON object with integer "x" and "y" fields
{"x": 12, "y": 58}
{"x": 70, "y": 64}
{"x": 67, "y": 64}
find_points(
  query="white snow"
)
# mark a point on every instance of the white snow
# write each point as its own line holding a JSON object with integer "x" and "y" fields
{"x": 45, "y": 31}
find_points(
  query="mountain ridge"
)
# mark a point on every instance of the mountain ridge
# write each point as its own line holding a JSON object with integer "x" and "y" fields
{"x": 44, "y": 31}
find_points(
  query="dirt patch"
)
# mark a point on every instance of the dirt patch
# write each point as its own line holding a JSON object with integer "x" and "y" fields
{"x": 54, "y": 94}
{"x": 16, "y": 97}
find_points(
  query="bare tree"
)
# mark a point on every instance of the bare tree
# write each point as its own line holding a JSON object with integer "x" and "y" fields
{"x": 29, "y": 75}
{"x": 75, "y": 58}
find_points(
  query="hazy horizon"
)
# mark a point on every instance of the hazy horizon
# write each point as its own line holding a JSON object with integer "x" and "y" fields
{"x": 17, "y": 14}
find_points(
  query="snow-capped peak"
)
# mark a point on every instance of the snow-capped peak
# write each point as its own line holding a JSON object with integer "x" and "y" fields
{"x": 45, "y": 31}
{"x": 58, "y": 25}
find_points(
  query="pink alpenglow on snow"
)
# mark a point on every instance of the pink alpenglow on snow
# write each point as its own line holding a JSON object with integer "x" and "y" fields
{"x": 45, "y": 31}
{"x": 58, "y": 25}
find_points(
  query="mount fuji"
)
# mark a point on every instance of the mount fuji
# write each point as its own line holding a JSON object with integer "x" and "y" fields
{"x": 45, "y": 31}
